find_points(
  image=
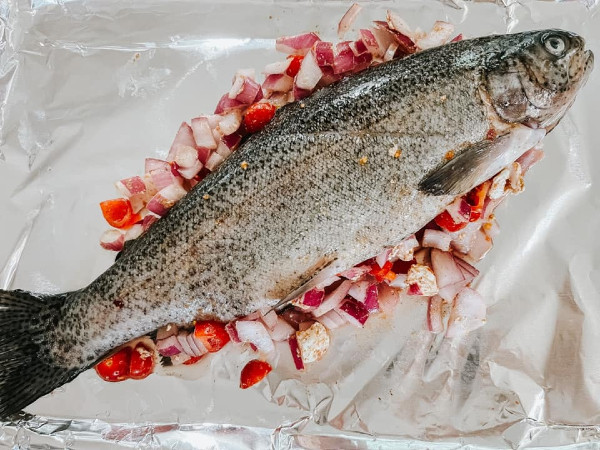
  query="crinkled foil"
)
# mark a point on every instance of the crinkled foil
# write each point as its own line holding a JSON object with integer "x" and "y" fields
{"x": 90, "y": 88}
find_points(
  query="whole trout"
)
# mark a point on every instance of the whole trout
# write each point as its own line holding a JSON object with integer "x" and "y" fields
{"x": 334, "y": 179}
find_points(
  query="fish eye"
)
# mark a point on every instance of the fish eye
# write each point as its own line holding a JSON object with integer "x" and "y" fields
{"x": 555, "y": 45}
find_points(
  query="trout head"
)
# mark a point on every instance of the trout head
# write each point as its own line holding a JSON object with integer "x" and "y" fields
{"x": 535, "y": 79}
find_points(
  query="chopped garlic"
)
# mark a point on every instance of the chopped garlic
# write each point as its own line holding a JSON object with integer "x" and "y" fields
{"x": 313, "y": 342}
{"x": 498, "y": 184}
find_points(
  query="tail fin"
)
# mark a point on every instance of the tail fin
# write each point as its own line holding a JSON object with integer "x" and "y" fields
{"x": 26, "y": 368}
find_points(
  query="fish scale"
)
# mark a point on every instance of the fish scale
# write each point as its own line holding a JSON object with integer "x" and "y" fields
{"x": 320, "y": 190}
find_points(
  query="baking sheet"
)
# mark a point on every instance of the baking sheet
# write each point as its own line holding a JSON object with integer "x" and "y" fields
{"x": 88, "y": 89}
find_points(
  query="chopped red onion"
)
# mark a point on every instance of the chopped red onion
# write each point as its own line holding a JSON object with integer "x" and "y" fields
{"x": 297, "y": 45}
{"x": 457, "y": 38}
{"x": 358, "y": 48}
{"x": 214, "y": 161}
{"x": 395, "y": 22}
{"x": 131, "y": 186}
{"x": 359, "y": 290}
{"x": 435, "y": 322}
{"x": 343, "y": 60}
{"x": 449, "y": 292}
{"x": 112, "y": 240}
{"x": 355, "y": 273}
{"x": 202, "y": 133}
{"x": 230, "y": 122}
{"x": 323, "y": 52}
{"x": 166, "y": 198}
{"x": 348, "y": 19}
{"x": 255, "y": 333}
{"x": 439, "y": 35}
{"x": 383, "y": 257}
{"x": 467, "y": 314}
{"x": 196, "y": 346}
{"x": 405, "y": 249}
{"x": 437, "y": 239}
{"x": 332, "y": 320}
{"x": 310, "y": 299}
{"x": 269, "y": 318}
{"x": 334, "y": 299}
{"x": 227, "y": 104}
{"x": 232, "y": 332}
{"x": 169, "y": 346}
{"x": 414, "y": 289}
{"x": 149, "y": 219}
{"x": 187, "y": 161}
{"x": 463, "y": 239}
{"x": 232, "y": 140}
{"x": 370, "y": 301}
{"x": 281, "y": 331}
{"x": 469, "y": 272}
{"x": 370, "y": 42}
{"x": 249, "y": 91}
{"x": 223, "y": 150}
{"x": 183, "y": 342}
{"x": 423, "y": 257}
{"x": 295, "y": 349}
{"x": 277, "y": 68}
{"x": 421, "y": 280}
{"x": 184, "y": 136}
{"x": 447, "y": 272}
{"x": 300, "y": 93}
{"x": 354, "y": 312}
{"x": 399, "y": 281}
{"x": 134, "y": 232}
{"x": 388, "y": 298}
{"x": 459, "y": 210}
{"x": 278, "y": 83}
{"x": 384, "y": 38}
{"x": 479, "y": 247}
{"x": 154, "y": 164}
{"x": 309, "y": 74}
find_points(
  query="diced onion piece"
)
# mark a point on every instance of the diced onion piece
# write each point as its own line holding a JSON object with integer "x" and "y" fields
{"x": 310, "y": 299}
{"x": 355, "y": 273}
{"x": 247, "y": 90}
{"x": 269, "y": 318}
{"x": 388, "y": 298}
{"x": 183, "y": 342}
{"x": 459, "y": 210}
{"x": 154, "y": 164}
{"x": 184, "y": 136}
{"x": 168, "y": 330}
{"x": 469, "y": 272}
{"x": 463, "y": 239}
{"x": 224, "y": 150}
{"x": 343, "y": 61}
{"x": 498, "y": 186}
{"x": 439, "y": 35}
{"x": 384, "y": 38}
{"x": 423, "y": 257}
{"x": 383, "y": 257}
{"x": 293, "y": 343}
{"x": 187, "y": 161}
{"x": 457, "y": 38}
{"x": 196, "y": 351}
{"x": 323, "y": 52}
{"x": 491, "y": 228}
{"x": 180, "y": 359}
{"x": 227, "y": 104}
{"x": 232, "y": 332}
{"x": 405, "y": 249}
{"x": 278, "y": 67}
{"x": 437, "y": 239}
{"x": 332, "y": 320}
{"x": 368, "y": 39}
{"x": 149, "y": 219}
{"x": 203, "y": 136}
{"x": 359, "y": 290}
{"x": 134, "y": 232}
{"x": 529, "y": 158}
{"x": 310, "y": 73}
{"x": 395, "y": 22}
{"x": 371, "y": 299}
{"x": 435, "y": 322}
{"x": 281, "y": 331}
{"x": 202, "y": 350}
{"x": 165, "y": 199}
{"x": 447, "y": 272}
{"x": 480, "y": 246}
{"x": 161, "y": 178}
{"x": 422, "y": 277}
{"x": 334, "y": 299}
{"x": 230, "y": 122}
{"x": 255, "y": 333}
{"x": 112, "y": 240}
{"x": 214, "y": 161}
{"x": 299, "y": 93}
{"x": 298, "y": 45}
{"x": 348, "y": 19}
{"x": 467, "y": 314}
{"x": 354, "y": 312}
{"x": 278, "y": 83}
{"x": 131, "y": 186}
{"x": 399, "y": 281}
{"x": 313, "y": 342}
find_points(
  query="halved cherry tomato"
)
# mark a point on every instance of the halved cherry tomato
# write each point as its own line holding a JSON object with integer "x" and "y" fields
{"x": 258, "y": 115}
{"x": 118, "y": 213}
{"x": 445, "y": 221}
{"x": 294, "y": 67}
{"x": 380, "y": 273}
{"x": 476, "y": 198}
{"x": 212, "y": 334}
{"x": 142, "y": 362}
{"x": 115, "y": 367}
{"x": 193, "y": 360}
{"x": 253, "y": 372}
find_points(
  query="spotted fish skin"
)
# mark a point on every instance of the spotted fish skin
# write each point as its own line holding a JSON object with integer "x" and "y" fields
{"x": 330, "y": 182}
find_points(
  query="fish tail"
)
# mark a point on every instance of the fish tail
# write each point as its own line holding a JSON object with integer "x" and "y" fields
{"x": 27, "y": 369}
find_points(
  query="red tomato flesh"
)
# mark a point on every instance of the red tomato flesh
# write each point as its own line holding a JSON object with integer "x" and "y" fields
{"x": 258, "y": 115}
{"x": 253, "y": 372}
{"x": 118, "y": 213}
{"x": 142, "y": 362}
{"x": 212, "y": 334}
{"x": 115, "y": 367}
{"x": 446, "y": 222}
{"x": 294, "y": 67}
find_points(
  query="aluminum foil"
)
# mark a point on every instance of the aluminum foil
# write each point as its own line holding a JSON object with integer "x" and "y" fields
{"x": 90, "y": 88}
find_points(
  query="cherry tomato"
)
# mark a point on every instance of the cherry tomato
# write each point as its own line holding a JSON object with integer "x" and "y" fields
{"x": 476, "y": 198}
{"x": 116, "y": 366}
{"x": 294, "y": 67}
{"x": 258, "y": 115}
{"x": 118, "y": 213}
{"x": 380, "y": 273}
{"x": 212, "y": 334}
{"x": 142, "y": 362}
{"x": 193, "y": 360}
{"x": 445, "y": 221}
{"x": 253, "y": 372}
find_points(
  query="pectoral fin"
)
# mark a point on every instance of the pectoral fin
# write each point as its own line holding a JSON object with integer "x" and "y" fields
{"x": 479, "y": 162}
